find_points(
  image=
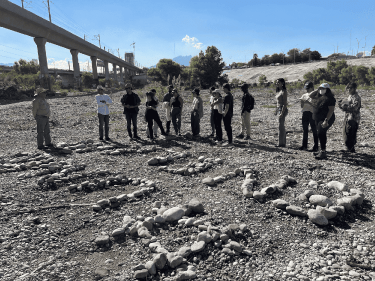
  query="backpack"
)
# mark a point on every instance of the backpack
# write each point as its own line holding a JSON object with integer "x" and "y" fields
{"x": 252, "y": 102}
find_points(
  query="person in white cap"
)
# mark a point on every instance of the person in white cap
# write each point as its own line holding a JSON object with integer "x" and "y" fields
{"x": 41, "y": 113}
{"x": 103, "y": 101}
{"x": 324, "y": 115}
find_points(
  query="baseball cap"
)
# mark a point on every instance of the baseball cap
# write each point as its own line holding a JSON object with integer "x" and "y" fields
{"x": 308, "y": 85}
{"x": 324, "y": 86}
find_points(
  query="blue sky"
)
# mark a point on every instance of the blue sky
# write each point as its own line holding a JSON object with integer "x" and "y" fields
{"x": 167, "y": 29}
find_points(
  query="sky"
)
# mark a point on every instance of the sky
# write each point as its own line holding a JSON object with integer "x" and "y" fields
{"x": 167, "y": 29}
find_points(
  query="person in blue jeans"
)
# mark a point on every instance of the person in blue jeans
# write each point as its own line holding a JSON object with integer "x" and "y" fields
{"x": 131, "y": 102}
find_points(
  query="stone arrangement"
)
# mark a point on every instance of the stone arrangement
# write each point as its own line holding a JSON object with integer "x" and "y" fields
{"x": 325, "y": 209}
{"x": 177, "y": 260}
{"x": 191, "y": 168}
{"x": 115, "y": 201}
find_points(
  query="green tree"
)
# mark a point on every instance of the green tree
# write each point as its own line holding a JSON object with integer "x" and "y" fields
{"x": 207, "y": 67}
{"x": 371, "y": 76}
{"x": 360, "y": 73}
{"x": 254, "y": 61}
{"x": 294, "y": 55}
{"x": 334, "y": 70}
{"x": 346, "y": 75}
{"x": 262, "y": 79}
{"x": 373, "y": 51}
{"x": 164, "y": 68}
{"x": 315, "y": 55}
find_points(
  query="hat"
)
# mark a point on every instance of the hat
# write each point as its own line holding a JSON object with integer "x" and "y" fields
{"x": 39, "y": 91}
{"x": 99, "y": 87}
{"x": 244, "y": 86}
{"x": 324, "y": 86}
{"x": 128, "y": 85}
{"x": 308, "y": 85}
{"x": 196, "y": 91}
{"x": 226, "y": 85}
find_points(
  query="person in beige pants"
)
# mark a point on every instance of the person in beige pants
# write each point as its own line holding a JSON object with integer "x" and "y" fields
{"x": 41, "y": 113}
{"x": 246, "y": 107}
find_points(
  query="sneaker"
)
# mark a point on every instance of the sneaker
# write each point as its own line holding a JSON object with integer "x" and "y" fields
{"x": 278, "y": 145}
{"x": 240, "y": 136}
{"x": 247, "y": 138}
{"x": 41, "y": 147}
{"x": 316, "y": 153}
{"x": 100, "y": 139}
{"x": 302, "y": 148}
{"x": 107, "y": 139}
{"x": 50, "y": 145}
{"x": 227, "y": 144}
{"x": 315, "y": 148}
{"x": 321, "y": 155}
{"x": 218, "y": 142}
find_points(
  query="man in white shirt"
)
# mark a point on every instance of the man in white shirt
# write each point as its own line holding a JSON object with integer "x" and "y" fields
{"x": 307, "y": 117}
{"x": 103, "y": 101}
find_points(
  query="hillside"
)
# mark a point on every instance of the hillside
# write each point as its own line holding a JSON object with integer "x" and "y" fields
{"x": 292, "y": 72}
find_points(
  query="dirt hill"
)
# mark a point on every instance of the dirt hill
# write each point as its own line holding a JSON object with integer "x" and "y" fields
{"x": 292, "y": 72}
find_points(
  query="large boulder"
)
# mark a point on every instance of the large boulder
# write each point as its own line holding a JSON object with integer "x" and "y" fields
{"x": 160, "y": 260}
{"x": 338, "y": 185}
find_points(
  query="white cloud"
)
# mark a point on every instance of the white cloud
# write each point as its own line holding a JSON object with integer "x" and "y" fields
{"x": 63, "y": 64}
{"x": 194, "y": 42}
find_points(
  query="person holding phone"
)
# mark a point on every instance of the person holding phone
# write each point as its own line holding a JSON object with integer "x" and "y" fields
{"x": 324, "y": 116}
{"x": 281, "y": 109}
{"x": 103, "y": 101}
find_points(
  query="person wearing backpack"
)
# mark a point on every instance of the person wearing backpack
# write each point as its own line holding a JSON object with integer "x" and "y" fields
{"x": 246, "y": 107}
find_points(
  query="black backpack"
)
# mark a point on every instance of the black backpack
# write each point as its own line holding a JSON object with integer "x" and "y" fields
{"x": 252, "y": 102}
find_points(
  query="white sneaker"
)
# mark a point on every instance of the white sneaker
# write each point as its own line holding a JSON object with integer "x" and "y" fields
{"x": 227, "y": 144}
{"x": 218, "y": 142}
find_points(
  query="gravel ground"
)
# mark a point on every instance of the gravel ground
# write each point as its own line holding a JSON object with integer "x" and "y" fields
{"x": 50, "y": 233}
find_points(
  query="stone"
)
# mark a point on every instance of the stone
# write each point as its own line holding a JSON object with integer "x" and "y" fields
{"x": 346, "y": 202}
{"x": 327, "y": 212}
{"x": 103, "y": 202}
{"x": 204, "y": 236}
{"x": 162, "y": 160}
{"x": 209, "y": 181}
{"x": 174, "y": 260}
{"x": 157, "y": 204}
{"x": 219, "y": 179}
{"x": 118, "y": 231}
{"x": 280, "y": 204}
{"x": 313, "y": 184}
{"x": 235, "y": 246}
{"x": 160, "y": 260}
{"x": 339, "y": 209}
{"x": 338, "y": 186}
{"x": 306, "y": 195}
{"x": 143, "y": 232}
{"x": 320, "y": 200}
{"x": 317, "y": 217}
{"x": 269, "y": 189}
{"x": 150, "y": 266}
{"x": 141, "y": 274}
{"x": 159, "y": 219}
{"x": 173, "y": 214}
{"x": 281, "y": 184}
{"x": 184, "y": 251}
{"x": 96, "y": 208}
{"x": 153, "y": 161}
{"x": 102, "y": 240}
{"x": 196, "y": 206}
{"x": 248, "y": 183}
{"x": 127, "y": 221}
{"x": 186, "y": 275}
{"x": 101, "y": 272}
{"x": 201, "y": 158}
{"x": 198, "y": 246}
{"x": 259, "y": 195}
{"x": 190, "y": 221}
{"x": 295, "y": 210}
{"x": 247, "y": 192}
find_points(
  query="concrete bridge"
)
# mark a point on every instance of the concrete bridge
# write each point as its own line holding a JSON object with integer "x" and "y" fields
{"x": 20, "y": 20}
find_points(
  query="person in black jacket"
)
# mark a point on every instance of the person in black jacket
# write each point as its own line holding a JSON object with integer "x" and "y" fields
{"x": 151, "y": 114}
{"x": 247, "y": 106}
{"x": 167, "y": 106}
{"x": 176, "y": 104}
{"x": 131, "y": 101}
{"x": 228, "y": 113}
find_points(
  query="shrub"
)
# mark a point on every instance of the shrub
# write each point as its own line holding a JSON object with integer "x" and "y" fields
{"x": 262, "y": 79}
{"x": 87, "y": 80}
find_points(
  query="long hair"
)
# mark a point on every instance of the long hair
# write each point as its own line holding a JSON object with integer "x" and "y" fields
{"x": 329, "y": 94}
{"x": 282, "y": 85}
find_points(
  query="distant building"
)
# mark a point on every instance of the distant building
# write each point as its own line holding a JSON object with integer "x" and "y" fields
{"x": 129, "y": 57}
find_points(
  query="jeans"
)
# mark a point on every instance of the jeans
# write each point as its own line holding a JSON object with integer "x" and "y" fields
{"x": 43, "y": 131}
{"x": 245, "y": 124}
{"x": 131, "y": 118}
{"x": 282, "y": 131}
{"x": 322, "y": 132}
{"x": 350, "y": 133}
{"x": 217, "y": 119}
{"x": 212, "y": 121}
{"x": 227, "y": 119}
{"x": 195, "y": 123}
{"x": 152, "y": 117}
{"x": 176, "y": 114}
{"x": 103, "y": 121}
{"x": 307, "y": 119}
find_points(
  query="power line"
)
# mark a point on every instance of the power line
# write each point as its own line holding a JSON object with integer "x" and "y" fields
{"x": 16, "y": 49}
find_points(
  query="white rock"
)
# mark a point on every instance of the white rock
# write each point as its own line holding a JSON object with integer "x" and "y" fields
{"x": 209, "y": 181}
{"x": 338, "y": 185}
{"x": 327, "y": 212}
{"x": 317, "y": 217}
{"x": 295, "y": 210}
{"x": 320, "y": 200}
{"x": 280, "y": 204}
{"x": 173, "y": 214}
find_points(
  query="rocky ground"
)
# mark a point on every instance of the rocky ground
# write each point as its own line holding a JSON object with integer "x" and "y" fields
{"x": 182, "y": 208}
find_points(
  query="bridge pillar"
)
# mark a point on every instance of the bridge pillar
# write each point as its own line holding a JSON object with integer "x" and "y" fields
{"x": 94, "y": 70}
{"x": 106, "y": 73}
{"x": 44, "y": 77}
{"x": 121, "y": 76}
{"x": 114, "y": 72}
{"x": 77, "y": 73}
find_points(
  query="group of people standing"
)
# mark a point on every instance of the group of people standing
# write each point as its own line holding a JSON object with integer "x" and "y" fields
{"x": 318, "y": 108}
{"x": 317, "y": 111}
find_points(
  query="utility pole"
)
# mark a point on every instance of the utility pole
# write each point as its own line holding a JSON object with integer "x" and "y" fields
{"x": 97, "y": 37}
{"x": 133, "y": 44}
{"x": 22, "y": 4}
{"x": 364, "y": 48}
{"x": 358, "y": 45}
{"x": 49, "y": 11}
{"x": 118, "y": 52}
{"x": 69, "y": 65}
